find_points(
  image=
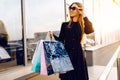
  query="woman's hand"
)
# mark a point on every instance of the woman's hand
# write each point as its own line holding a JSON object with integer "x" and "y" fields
{"x": 50, "y": 34}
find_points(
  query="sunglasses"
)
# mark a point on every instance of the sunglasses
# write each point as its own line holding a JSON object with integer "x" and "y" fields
{"x": 74, "y": 8}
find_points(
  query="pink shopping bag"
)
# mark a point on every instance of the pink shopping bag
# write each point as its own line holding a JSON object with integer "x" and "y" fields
{"x": 43, "y": 62}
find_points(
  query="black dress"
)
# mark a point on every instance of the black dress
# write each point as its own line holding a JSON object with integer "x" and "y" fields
{"x": 71, "y": 37}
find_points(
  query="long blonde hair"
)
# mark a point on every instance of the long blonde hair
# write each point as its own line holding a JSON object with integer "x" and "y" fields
{"x": 80, "y": 18}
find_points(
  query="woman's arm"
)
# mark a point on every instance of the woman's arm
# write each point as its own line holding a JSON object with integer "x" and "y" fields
{"x": 61, "y": 35}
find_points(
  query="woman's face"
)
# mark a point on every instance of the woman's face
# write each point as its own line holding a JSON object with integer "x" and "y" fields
{"x": 75, "y": 11}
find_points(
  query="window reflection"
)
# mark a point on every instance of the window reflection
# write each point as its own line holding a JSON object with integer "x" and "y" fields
{"x": 11, "y": 43}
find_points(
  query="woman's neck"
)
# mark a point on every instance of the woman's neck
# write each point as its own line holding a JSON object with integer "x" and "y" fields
{"x": 75, "y": 19}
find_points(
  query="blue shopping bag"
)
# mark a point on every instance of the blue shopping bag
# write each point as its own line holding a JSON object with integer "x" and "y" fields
{"x": 36, "y": 61}
{"x": 57, "y": 57}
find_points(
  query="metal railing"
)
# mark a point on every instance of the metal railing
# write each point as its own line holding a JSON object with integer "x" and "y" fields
{"x": 108, "y": 68}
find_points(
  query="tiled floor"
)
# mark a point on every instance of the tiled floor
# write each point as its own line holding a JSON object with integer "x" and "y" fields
{"x": 19, "y": 71}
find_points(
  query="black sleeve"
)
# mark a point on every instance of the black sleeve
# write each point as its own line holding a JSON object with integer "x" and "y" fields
{"x": 61, "y": 35}
{"x": 88, "y": 26}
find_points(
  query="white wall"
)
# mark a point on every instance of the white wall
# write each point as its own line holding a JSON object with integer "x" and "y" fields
{"x": 106, "y": 22}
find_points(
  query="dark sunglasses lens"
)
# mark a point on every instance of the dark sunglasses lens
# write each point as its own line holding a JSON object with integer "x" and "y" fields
{"x": 72, "y": 8}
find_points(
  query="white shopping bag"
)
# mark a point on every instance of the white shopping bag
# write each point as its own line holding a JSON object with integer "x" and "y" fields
{"x": 3, "y": 54}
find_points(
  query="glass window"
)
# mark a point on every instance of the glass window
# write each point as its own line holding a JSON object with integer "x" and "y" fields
{"x": 42, "y": 16}
{"x": 11, "y": 44}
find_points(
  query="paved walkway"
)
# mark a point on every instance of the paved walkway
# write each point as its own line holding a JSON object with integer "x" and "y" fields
{"x": 17, "y": 72}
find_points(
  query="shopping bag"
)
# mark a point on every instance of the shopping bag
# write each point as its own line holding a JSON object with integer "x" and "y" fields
{"x": 4, "y": 54}
{"x": 37, "y": 58}
{"x": 43, "y": 70}
{"x": 40, "y": 63}
{"x": 48, "y": 63}
{"x": 57, "y": 56}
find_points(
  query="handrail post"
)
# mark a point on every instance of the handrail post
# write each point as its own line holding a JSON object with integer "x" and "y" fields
{"x": 118, "y": 68}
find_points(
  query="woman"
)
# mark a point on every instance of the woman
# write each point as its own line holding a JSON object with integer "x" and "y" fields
{"x": 3, "y": 35}
{"x": 71, "y": 35}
